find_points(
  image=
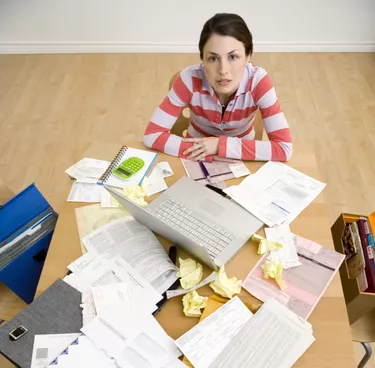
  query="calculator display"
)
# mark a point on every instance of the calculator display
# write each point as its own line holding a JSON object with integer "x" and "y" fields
{"x": 123, "y": 171}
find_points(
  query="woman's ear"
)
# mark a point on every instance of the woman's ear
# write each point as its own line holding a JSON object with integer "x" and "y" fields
{"x": 248, "y": 58}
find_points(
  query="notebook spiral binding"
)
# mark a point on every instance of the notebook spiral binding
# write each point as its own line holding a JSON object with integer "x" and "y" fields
{"x": 114, "y": 163}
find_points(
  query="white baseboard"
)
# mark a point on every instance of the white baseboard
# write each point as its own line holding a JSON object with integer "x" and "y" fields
{"x": 160, "y": 47}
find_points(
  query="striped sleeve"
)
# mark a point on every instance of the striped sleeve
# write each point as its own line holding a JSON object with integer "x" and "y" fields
{"x": 279, "y": 147}
{"x": 157, "y": 135}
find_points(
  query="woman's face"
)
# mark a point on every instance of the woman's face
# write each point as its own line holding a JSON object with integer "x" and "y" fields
{"x": 224, "y": 60}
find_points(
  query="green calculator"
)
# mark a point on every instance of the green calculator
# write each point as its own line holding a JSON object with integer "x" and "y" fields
{"x": 128, "y": 168}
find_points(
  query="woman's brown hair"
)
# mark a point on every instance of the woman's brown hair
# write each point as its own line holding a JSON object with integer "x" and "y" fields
{"x": 225, "y": 24}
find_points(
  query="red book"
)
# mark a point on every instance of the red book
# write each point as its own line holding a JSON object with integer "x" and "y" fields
{"x": 369, "y": 257}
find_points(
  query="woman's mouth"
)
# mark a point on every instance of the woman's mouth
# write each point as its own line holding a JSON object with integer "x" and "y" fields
{"x": 224, "y": 82}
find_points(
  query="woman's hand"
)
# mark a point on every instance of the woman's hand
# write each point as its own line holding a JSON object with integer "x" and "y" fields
{"x": 201, "y": 148}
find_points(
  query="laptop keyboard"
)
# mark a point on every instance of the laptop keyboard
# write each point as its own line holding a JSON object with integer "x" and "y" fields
{"x": 204, "y": 232}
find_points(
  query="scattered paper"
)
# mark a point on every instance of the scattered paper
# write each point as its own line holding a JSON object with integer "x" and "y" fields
{"x": 239, "y": 169}
{"x": 224, "y": 286}
{"x": 92, "y": 217}
{"x": 207, "y": 280}
{"x": 204, "y": 342}
{"x": 273, "y": 337}
{"x": 83, "y": 192}
{"x": 47, "y": 347}
{"x": 304, "y": 285}
{"x": 107, "y": 295}
{"x": 265, "y": 245}
{"x": 107, "y": 201}
{"x": 138, "y": 246}
{"x": 133, "y": 338}
{"x": 88, "y": 168}
{"x": 137, "y": 194}
{"x": 83, "y": 353}
{"x": 276, "y": 193}
{"x": 288, "y": 253}
{"x": 193, "y": 303}
{"x": 274, "y": 270}
{"x": 88, "y": 307}
{"x": 190, "y": 273}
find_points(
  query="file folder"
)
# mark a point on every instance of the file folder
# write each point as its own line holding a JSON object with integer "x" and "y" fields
{"x": 27, "y": 222}
{"x": 56, "y": 311}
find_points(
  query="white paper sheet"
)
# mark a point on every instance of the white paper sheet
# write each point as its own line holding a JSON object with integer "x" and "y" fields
{"x": 288, "y": 254}
{"x": 88, "y": 308}
{"x": 133, "y": 338}
{"x": 83, "y": 353}
{"x": 239, "y": 169}
{"x": 204, "y": 342}
{"x": 154, "y": 186}
{"x": 107, "y": 201}
{"x": 88, "y": 168}
{"x": 105, "y": 296}
{"x": 99, "y": 271}
{"x": 276, "y": 193}
{"x": 176, "y": 364}
{"x": 138, "y": 246}
{"x": 84, "y": 192}
{"x": 274, "y": 337}
{"x": 47, "y": 348}
{"x": 161, "y": 170}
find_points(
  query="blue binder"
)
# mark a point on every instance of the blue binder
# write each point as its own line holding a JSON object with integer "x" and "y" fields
{"x": 22, "y": 273}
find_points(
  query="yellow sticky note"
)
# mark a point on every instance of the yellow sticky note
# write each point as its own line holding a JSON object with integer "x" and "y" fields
{"x": 190, "y": 273}
{"x": 136, "y": 194}
{"x": 265, "y": 245}
{"x": 273, "y": 270}
{"x": 193, "y": 303}
{"x": 224, "y": 286}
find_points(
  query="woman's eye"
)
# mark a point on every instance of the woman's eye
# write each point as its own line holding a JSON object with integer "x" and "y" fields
{"x": 233, "y": 57}
{"x": 212, "y": 58}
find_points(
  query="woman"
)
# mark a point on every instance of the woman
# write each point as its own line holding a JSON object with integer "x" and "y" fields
{"x": 223, "y": 94}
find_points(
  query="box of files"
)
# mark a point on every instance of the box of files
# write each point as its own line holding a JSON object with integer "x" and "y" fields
{"x": 352, "y": 236}
{"x": 27, "y": 222}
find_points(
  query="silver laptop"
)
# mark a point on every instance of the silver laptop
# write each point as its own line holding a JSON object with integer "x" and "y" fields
{"x": 204, "y": 223}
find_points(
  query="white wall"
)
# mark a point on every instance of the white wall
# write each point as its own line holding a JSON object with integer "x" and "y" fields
{"x": 174, "y": 25}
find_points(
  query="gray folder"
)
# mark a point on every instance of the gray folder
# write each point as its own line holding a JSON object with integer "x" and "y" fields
{"x": 56, "y": 311}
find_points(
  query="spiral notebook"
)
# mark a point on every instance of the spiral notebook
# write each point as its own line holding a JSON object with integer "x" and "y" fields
{"x": 123, "y": 154}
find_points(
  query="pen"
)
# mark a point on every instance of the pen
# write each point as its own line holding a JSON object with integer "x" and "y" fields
{"x": 205, "y": 172}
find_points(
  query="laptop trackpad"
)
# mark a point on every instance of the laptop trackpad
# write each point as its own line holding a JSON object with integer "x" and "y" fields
{"x": 212, "y": 207}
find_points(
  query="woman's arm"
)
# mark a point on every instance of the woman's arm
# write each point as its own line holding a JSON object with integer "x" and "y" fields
{"x": 157, "y": 135}
{"x": 279, "y": 147}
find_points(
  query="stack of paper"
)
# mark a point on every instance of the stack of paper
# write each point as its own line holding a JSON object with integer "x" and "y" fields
{"x": 273, "y": 337}
{"x": 136, "y": 244}
{"x": 276, "y": 193}
{"x": 86, "y": 172}
{"x": 105, "y": 281}
{"x": 204, "y": 342}
{"x": 304, "y": 285}
{"x": 132, "y": 337}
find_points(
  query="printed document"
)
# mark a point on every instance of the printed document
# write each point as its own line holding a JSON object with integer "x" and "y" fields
{"x": 276, "y": 193}
{"x": 288, "y": 253}
{"x": 85, "y": 192}
{"x": 133, "y": 338}
{"x": 88, "y": 168}
{"x": 305, "y": 284}
{"x": 273, "y": 337}
{"x": 138, "y": 246}
{"x": 204, "y": 342}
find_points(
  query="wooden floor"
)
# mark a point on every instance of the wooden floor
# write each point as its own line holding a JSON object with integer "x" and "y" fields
{"x": 53, "y": 106}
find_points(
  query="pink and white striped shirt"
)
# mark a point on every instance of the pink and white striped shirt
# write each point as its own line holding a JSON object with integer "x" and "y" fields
{"x": 234, "y": 126}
